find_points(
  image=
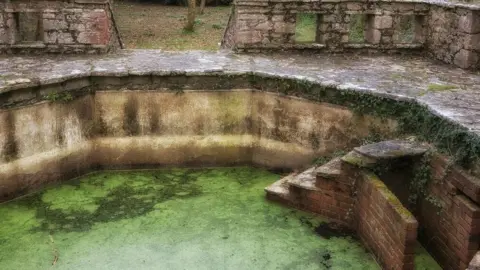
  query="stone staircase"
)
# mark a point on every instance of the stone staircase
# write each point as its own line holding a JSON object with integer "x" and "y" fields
{"x": 329, "y": 189}
{"x": 348, "y": 193}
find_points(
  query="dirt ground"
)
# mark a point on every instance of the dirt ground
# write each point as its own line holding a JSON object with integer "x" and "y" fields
{"x": 155, "y": 26}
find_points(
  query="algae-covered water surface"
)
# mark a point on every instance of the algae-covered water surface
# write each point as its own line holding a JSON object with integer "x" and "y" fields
{"x": 169, "y": 219}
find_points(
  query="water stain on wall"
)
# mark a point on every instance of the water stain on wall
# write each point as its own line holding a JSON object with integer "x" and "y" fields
{"x": 131, "y": 126}
{"x": 10, "y": 148}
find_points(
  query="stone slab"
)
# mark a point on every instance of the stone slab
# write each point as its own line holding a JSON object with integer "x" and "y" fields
{"x": 391, "y": 150}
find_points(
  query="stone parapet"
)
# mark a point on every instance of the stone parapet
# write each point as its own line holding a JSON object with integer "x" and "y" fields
{"x": 80, "y": 26}
{"x": 443, "y": 30}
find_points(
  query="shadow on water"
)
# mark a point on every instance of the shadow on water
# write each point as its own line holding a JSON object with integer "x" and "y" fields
{"x": 122, "y": 202}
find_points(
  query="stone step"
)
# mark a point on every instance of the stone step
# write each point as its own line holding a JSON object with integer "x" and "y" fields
{"x": 305, "y": 180}
{"x": 280, "y": 192}
{"x": 357, "y": 159}
{"x": 331, "y": 169}
{"x": 387, "y": 150}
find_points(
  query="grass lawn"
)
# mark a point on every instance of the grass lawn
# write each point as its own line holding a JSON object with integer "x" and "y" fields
{"x": 155, "y": 26}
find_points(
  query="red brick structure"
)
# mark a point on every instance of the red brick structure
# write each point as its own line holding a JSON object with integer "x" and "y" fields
{"x": 453, "y": 231}
{"x": 446, "y": 218}
{"x": 384, "y": 225}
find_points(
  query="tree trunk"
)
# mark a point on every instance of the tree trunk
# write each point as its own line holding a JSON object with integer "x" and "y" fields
{"x": 202, "y": 6}
{"x": 191, "y": 15}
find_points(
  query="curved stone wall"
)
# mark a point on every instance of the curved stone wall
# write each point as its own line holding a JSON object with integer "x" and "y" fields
{"x": 63, "y": 125}
{"x": 54, "y": 140}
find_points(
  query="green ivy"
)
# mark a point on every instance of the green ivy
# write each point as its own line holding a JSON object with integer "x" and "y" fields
{"x": 413, "y": 119}
{"x": 58, "y": 96}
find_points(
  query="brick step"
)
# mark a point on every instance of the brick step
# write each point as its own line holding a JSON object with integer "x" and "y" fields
{"x": 305, "y": 180}
{"x": 280, "y": 192}
{"x": 331, "y": 169}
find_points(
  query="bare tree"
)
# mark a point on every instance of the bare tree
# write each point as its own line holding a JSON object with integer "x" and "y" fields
{"x": 202, "y": 6}
{"x": 191, "y": 15}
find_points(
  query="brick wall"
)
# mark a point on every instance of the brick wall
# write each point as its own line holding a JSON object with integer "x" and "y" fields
{"x": 450, "y": 227}
{"x": 362, "y": 203}
{"x": 78, "y": 26}
{"x": 384, "y": 225}
{"x": 331, "y": 197}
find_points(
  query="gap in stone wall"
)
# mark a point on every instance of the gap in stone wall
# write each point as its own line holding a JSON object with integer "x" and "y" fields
{"x": 356, "y": 33}
{"x": 306, "y": 28}
{"x": 404, "y": 31}
{"x": 28, "y": 27}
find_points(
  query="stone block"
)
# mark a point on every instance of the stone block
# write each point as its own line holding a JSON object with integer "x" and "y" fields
{"x": 469, "y": 22}
{"x": 472, "y": 42}
{"x": 49, "y": 24}
{"x": 249, "y": 37}
{"x": 284, "y": 27}
{"x": 373, "y": 36}
{"x": 354, "y": 6}
{"x": 264, "y": 26}
{"x": 383, "y": 22}
{"x": 465, "y": 59}
{"x": 50, "y": 37}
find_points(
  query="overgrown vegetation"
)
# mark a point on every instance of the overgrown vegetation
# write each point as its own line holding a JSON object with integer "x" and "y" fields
{"x": 58, "y": 96}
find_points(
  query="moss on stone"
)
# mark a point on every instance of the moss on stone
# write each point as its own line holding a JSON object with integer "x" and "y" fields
{"x": 413, "y": 118}
{"x": 440, "y": 87}
{"x": 389, "y": 196}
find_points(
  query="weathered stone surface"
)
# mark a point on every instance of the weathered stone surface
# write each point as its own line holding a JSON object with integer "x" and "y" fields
{"x": 394, "y": 77}
{"x": 57, "y": 26}
{"x": 383, "y": 22}
{"x": 441, "y": 30}
{"x": 392, "y": 150}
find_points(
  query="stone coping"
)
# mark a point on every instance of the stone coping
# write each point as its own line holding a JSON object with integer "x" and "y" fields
{"x": 447, "y": 91}
{"x": 443, "y": 3}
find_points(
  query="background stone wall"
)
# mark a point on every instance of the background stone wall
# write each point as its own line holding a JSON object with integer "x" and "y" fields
{"x": 446, "y": 32}
{"x": 454, "y": 36}
{"x": 68, "y": 26}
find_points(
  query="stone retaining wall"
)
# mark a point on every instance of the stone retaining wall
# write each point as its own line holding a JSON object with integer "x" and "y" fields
{"x": 57, "y": 26}
{"x": 449, "y": 33}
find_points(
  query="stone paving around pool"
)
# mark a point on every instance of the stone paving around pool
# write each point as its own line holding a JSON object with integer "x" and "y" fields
{"x": 447, "y": 91}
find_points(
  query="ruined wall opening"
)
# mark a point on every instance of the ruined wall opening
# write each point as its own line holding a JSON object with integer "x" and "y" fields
{"x": 404, "y": 29}
{"x": 28, "y": 27}
{"x": 357, "y": 28}
{"x": 306, "y": 28}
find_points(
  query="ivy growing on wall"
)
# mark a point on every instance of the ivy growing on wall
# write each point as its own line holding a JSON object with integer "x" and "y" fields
{"x": 449, "y": 137}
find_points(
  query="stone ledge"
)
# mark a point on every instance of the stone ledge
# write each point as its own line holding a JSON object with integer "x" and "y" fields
{"x": 441, "y": 3}
{"x": 447, "y": 92}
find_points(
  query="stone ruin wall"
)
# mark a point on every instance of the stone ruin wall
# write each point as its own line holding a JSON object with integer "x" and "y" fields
{"x": 447, "y": 32}
{"x": 57, "y": 26}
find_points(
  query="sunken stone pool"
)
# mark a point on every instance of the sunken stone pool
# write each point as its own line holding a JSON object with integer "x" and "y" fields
{"x": 211, "y": 218}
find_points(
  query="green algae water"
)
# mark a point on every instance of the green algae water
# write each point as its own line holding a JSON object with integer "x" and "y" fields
{"x": 170, "y": 219}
